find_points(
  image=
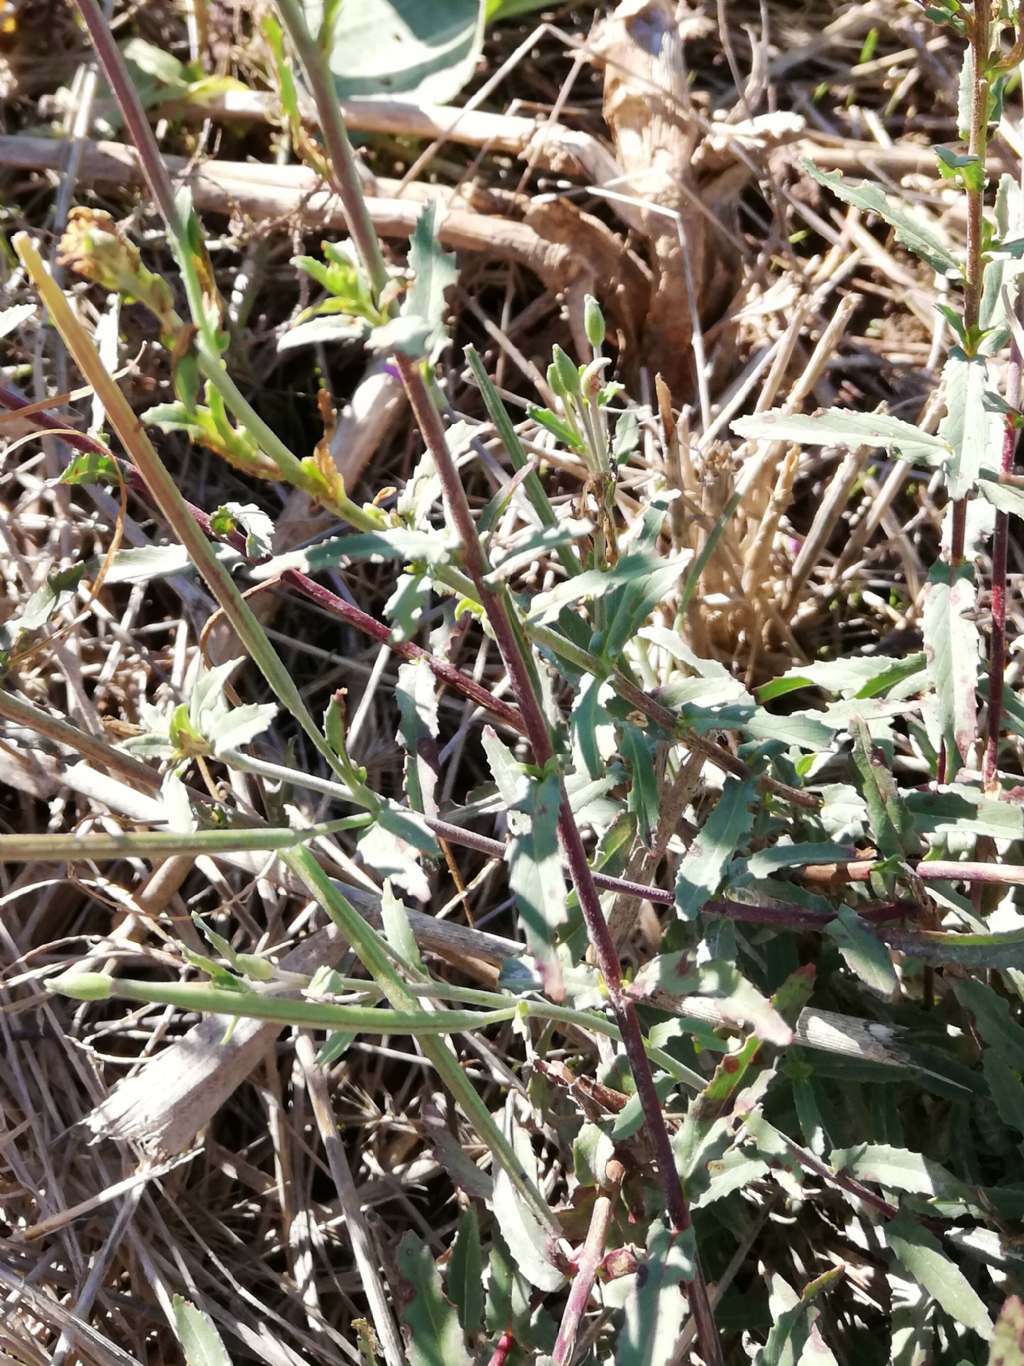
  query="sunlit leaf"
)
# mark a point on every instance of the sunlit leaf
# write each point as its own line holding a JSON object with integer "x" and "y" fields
{"x": 913, "y": 231}
{"x": 199, "y": 1339}
{"x": 921, "y": 1254}
{"x": 655, "y": 1310}
{"x": 702, "y": 870}
{"x": 434, "y": 1336}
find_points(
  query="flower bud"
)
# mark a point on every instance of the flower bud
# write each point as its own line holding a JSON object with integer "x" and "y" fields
{"x": 568, "y": 373}
{"x": 593, "y": 322}
{"x": 83, "y": 986}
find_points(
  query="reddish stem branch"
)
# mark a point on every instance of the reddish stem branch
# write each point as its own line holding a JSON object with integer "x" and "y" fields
{"x": 515, "y": 660}
{"x": 590, "y": 1258}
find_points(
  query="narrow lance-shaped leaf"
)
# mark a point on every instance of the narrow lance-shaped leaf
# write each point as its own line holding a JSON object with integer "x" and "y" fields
{"x": 416, "y": 694}
{"x": 922, "y": 1257}
{"x": 897, "y": 1169}
{"x": 794, "y": 1324}
{"x": 977, "y": 952}
{"x": 703, "y": 868}
{"x": 535, "y": 866}
{"x": 838, "y": 427}
{"x": 973, "y": 430}
{"x": 434, "y": 272}
{"x": 863, "y": 953}
{"x": 890, "y": 822}
{"x": 656, "y": 1308}
{"x": 952, "y": 647}
{"x": 199, "y": 1340}
{"x": 914, "y": 232}
{"x": 741, "y": 1002}
{"x": 528, "y": 1240}
{"x": 594, "y": 583}
{"x": 434, "y": 1336}
{"x": 465, "y": 1273}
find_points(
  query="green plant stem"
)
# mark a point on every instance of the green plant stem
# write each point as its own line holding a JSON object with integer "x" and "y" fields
{"x": 980, "y": 41}
{"x": 167, "y": 496}
{"x": 206, "y": 343}
{"x": 340, "y": 158}
{"x": 521, "y": 675}
{"x": 374, "y": 956}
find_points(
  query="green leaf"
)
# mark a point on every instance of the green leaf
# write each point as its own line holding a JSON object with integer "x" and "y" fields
{"x": 535, "y": 873}
{"x": 465, "y": 1273}
{"x": 434, "y": 1336}
{"x": 416, "y": 695}
{"x": 790, "y": 1338}
{"x": 702, "y": 870}
{"x": 392, "y": 846}
{"x": 396, "y": 543}
{"x": 537, "y": 543}
{"x": 249, "y": 519}
{"x": 511, "y": 9}
{"x": 972, "y": 430}
{"x": 952, "y": 645}
{"x": 735, "y": 1171}
{"x": 970, "y": 170}
{"x": 897, "y": 1169}
{"x": 324, "y": 329}
{"x": 915, "y": 233}
{"x": 644, "y": 799}
{"x": 407, "y": 603}
{"x": 656, "y": 1307}
{"x": 992, "y": 1017}
{"x": 1004, "y": 497}
{"x": 514, "y": 449}
{"x": 434, "y": 273}
{"x": 955, "y": 809}
{"x": 397, "y": 930}
{"x": 199, "y": 1340}
{"x": 425, "y": 52}
{"x": 527, "y": 1239}
{"x": 838, "y": 427}
{"x": 891, "y": 826}
{"x": 768, "y": 861}
{"x": 654, "y": 572}
{"x": 863, "y": 953}
{"x": 741, "y": 1003}
{"x": 154, "y": 61}
{"x": 921, "y": 1256}
{"x": 592, "y": 1150}
{"x": 90, "y": 467}
{"x": 558, "y": 427}
{"x": 978, "y": 952}
{"x": 1005, "y": 1086}
{"x": 855, "y": 677}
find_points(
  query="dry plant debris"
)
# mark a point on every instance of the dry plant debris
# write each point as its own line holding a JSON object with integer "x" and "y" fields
{"x": 510, "y": 741}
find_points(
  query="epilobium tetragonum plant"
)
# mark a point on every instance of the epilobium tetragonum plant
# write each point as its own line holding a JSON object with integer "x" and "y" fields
{"x": 696, "y": 1098}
